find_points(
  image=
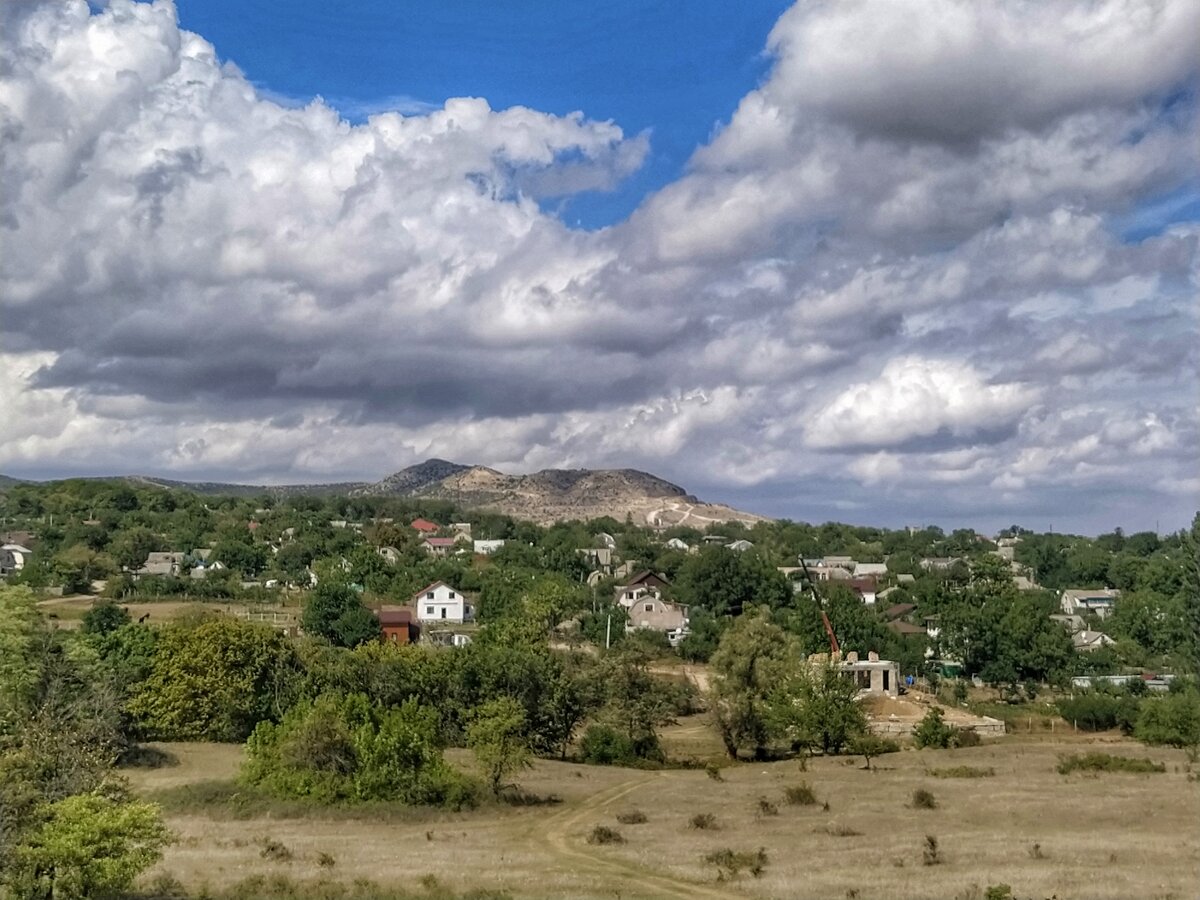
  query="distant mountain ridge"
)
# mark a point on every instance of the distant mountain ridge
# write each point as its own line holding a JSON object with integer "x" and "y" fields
{"x": 545, "y": 497}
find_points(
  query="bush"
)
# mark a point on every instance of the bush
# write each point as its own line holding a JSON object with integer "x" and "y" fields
{"x": 603, "y": 745}
{"x": 932, "y": 731}
{"x": 1106, "y": 762}
{"x": 966, "y": 737}
{"x": 703, "y": 822}
{"x": 961, "y": 772}
{"x": 713, "y": 771}
{"x": 800, "y": 794}
{"x": 86, "y": 845}
{"x": 348, "y": 749}
{"x": 931, "y": 854}
{"x": 632, "y": 817}
{"x": 275, "y": 851}
{"x": 1173, "y": 720}
{"x": 1101, "y": 710}
{"x": 923, "y": 799}
{"x": 730, "y": 863}
{"x": 766, "y": 807}
{"x": 602, "y": 834}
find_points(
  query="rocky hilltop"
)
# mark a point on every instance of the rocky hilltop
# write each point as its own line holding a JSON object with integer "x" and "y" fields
{"x": 556, "y": 494}
{"x": 551, "y": 495}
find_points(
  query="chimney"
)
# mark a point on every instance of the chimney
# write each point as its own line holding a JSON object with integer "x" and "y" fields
{"x": 872, "y": 656}
{"x": 852, "y": 656}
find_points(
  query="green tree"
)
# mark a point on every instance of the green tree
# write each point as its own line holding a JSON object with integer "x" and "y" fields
{"x": 932, "y": 730}
{"x": 753, "y": 657}
{"x": 131, "y": 548}
{"x": 215, "y": 679}
{"x": 1173, "y": 720}
{"x": 104, "y": 617}
{"x": 335, "y": 612}
{"x": 496, "y": 735}
{"x": 89, "y": 845}
{"x": 816, "y": 706}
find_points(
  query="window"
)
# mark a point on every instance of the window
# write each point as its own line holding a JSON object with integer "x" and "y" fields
{"x": 649, "y": 607}
{"x": 429, "y": 596}
{"x": 429, "y": 610}
{"x": 452, "y": 595}
{"x": 443, "y": 612}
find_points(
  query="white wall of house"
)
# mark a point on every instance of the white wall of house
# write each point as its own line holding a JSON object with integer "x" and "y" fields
{"x": 442, "y": 603}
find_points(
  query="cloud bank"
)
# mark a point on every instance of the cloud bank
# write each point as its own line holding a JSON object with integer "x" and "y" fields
{"x": 896, "y": 267}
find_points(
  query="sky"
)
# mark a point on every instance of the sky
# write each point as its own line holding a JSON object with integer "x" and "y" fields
{"x": 876, "y": 261}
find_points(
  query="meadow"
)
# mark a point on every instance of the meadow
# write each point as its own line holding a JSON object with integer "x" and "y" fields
{"x": 1001, "y": 815}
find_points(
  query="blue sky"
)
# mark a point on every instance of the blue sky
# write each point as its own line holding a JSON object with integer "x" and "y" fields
{"x": 674, "y": 69}
{"x": 891, "y": 261}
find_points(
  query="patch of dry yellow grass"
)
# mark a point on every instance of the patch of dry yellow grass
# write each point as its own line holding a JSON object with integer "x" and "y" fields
{"x": 1101, "y": 838}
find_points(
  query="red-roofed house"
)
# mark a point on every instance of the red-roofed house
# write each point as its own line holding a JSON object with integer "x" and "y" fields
{"x": 425, "y": 526}
{"x": 439, "y": 546}
{"x": 865, "y": 588}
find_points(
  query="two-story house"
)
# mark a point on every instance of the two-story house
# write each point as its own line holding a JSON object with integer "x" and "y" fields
{"x": 441, "y": 603}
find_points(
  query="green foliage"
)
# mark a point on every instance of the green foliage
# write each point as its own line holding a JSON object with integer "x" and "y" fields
{"x": 346, "y": 749}
{"x": 923, "y": 799}
{"x": 754, "y": 656}
{"x": 496, "y": 735}
{"x": 724, "y": 582}
{"x": 104, "y": 617}
{"x": 868, "y": 745}
{"x": 1106, "y": 762}
{"x": 816, "y": 707}
{"x": 800, "y": 794}
{"x": 1101, "y": 710}
{"x": 703, "y": 822}
{"x": 215, "y": 679}
{"x": 84, "y": 846}
{"x": 932, "y": 730}
{"x": 602, "y": 834}
{"x": 961, "y": 772}
{"x": 1173, "y": 720}
{"x": 731, "y": 863}
{"x": 335, "y": 612}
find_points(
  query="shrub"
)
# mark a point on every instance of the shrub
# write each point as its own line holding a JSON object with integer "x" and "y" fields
{"x": 1173, "y": 720}
{"x": 275, "y": 851}
{"x": 1035, "y": 851}
{"x": 923, "y": 799}
{"x": 841, "y": 831}
{"x": 713, "y": 771}
{"x": 703, "y": 822}
{"x": 603, "y": 745}
{"x": 1101, "y": 710}
{"x": 86, "y": 845}
{"x": 632, "y": 817}
{"x": 602, "y": 834}
{"x": 998, "y": 892}
{"x": 730, "y": 863}
{"x": 766, "y": 807}
{"x": 932, "y": 731}
{"x": 348, "y": 749}
{"x": 931, "y": 854}
{"x": 1106, "y": 762}
{"x": 961, "y": 772}
{"x": 800, "y": 794}
{"x": 965, "y": 737}
{"x": 326, "y": 860}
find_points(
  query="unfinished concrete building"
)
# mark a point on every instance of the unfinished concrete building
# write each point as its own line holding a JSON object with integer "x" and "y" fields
{"x": 874, "y": 675}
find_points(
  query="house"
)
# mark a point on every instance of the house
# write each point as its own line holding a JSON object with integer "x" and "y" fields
{"x": 933, "y": 626}
{"x": 487, "y": 547}
{"x": 905, "y": 578}
{"x": 162, "y": 563}
{"x": 439, "y": 546}
{"x": 829, "y": 573}
{"x": 906, "y": 630}
{"x": 865, "y": 588}
{"x": 463, "y": 528}
{"x": 606, "y": 541}
{"x": 898, "y": 611}
{"x": 870, "y": 570}
{"x": 651, "y": 611}
{"x": 1024, "y": 583}
{"x": 677, "y": 544}
{"x": 390, "y": 554}
{"x": 441, "y": 603}
{"x": 1072, "y": 623}
{"x": 398, "y": 625}
{"x": 1086, "y": 641}
{"x": 424, "y": 526}
{"x": 13, "y": 557}
{"x": 872, "y": 675}
{"x": 940, "y": 563}
{"x": 600, "y": 557}
{"x": 714, "y": 539}
{"x": 846, "y": 562}
{"x": 739, "y": 546}
{"x": 645, "y": 582}
{"x": 1080, "y": 600}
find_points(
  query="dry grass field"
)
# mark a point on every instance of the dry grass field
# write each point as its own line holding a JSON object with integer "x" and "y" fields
{"x": 1110, "y": 835}
{"x": 68, "y": 612}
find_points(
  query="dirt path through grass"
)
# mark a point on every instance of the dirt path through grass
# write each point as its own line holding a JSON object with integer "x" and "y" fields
{"x": 560, "y": 832}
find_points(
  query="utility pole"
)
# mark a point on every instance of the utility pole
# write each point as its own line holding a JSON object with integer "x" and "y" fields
{"x": 608, "y": 633}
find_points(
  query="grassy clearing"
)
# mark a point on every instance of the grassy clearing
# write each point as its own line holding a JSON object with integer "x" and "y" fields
{"x": 1139, "y": 832}
{"x": 283, "y": 887}
{"x": 1106, "y": 762}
